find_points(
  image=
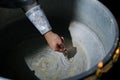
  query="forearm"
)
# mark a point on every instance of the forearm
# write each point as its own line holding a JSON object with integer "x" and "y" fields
{"x": 37, "y": 17}
{"x": 33, "y": 12}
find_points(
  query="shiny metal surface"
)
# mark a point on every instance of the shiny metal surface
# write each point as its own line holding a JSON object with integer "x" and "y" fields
{"x": 87, "y": 23}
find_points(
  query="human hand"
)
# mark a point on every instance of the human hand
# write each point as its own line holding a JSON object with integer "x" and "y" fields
{"x": 55, "y": 42}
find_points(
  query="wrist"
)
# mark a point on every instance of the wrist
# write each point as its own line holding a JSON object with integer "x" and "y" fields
{"x": 48, "y": 34}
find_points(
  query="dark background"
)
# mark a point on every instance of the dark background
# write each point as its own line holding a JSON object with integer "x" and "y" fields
{"x": 114, "y": 7}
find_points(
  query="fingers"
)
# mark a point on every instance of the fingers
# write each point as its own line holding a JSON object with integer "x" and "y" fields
{"x": 61, "y": 46}
{"x": 62, "y": 39}
{"x": 55, "y": 42}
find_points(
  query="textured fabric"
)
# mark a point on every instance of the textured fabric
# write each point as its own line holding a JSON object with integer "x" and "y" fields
{"x": 38, "y": 18}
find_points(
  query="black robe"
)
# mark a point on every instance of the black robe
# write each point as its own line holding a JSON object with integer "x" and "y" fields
{"x": 15, "y": 3}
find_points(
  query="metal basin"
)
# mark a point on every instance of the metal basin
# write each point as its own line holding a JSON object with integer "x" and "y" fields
{"x": 25, "y": 54}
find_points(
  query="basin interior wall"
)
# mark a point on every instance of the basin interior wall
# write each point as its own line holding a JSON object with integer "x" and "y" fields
{"x": 89, "y": 25}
